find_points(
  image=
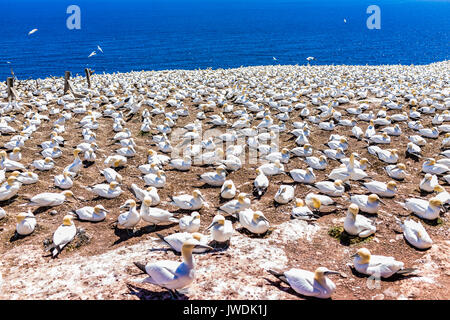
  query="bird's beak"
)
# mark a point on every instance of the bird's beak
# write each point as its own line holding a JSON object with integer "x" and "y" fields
{"x": 264, "y": 218}
{"x": 124, "y": 206}
{"x": 381, "y": 201}
{"x": 211, "y": 225}
{"x": 201, "y": 197}
{"x": 354, "y": 255}
{"x": 201, "y": 246}
{"x": 331, "y": 272}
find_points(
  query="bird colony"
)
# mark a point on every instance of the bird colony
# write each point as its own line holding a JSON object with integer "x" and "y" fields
{"x": 271, "y": 182}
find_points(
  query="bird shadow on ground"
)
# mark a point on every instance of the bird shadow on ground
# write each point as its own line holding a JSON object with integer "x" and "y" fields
{"x": 87, "y": 164}
{"x": 144, "y": 294}
{"x": 291, "y": 291}
{"x": 41, "y": 210}
{"x": 4, "y": 203}
{"x": 125, "y": 235}
{"x": 393, "y": 278}
{"x": 249, "y": 234}
{"x": 16, "y": 237}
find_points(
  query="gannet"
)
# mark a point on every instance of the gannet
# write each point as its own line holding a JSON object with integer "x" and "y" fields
{"x": 319, "y": 202}
{"x": 175, "y": 241}
{"x": 430, "y": 166}
{"x": 63, "y": 235}
{"x": 415, "y": 233}
{"x": 378, "y": 266}
{"x": 261, "y": 182}
{"x": 26, "y": 222}
{"x": 109, "y": 191}
{"x": 425, "y": 209}
{"x": 128, "y": 219}
{"x": 10, "y": 188}
{"x": 284, "y": 194}
{"x": 48, "y": 199}
{"x": 302, "y": 212}
{"x": 151, "y": 192}
{"x": 332, "y": 189}
{"x": 190, "y": 223}
{"x": 234, "y": 206}
{"x": 303, "y": 176}
{"x": 215, "y": 178}
{"x": 396, "y": 171}
{"x": 305, "y": 151}
{"x": 44, "y": 164}
{"x": 442, "y": 194}
{"x": 93, "y": 214}
{"x": 428, "y": 182}
{"x": 253, "y": 221}
{"x": 358, "y": 225}
{"x": 368, "y": 204}
{"x": 111, "y": 175}
{"x": 9, "y": 165}
{"x": 155, "y": 215}
{"x": 189, "y": 202}
{"x": 228, "y": 190}
{"x": 221, "y": 229}
{"x": 271, "y": 169}
{"x": 157, "y": 180}
{"x": 63, "y": 181}
{"x": 307, "y": 283}
{"x": 170, "y": 274}
{"x": 181, "y": 164}
{"x": 382, "y": 189}
{"x": 317, "y": 163}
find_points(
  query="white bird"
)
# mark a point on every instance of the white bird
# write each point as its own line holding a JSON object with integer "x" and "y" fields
{"x": 128, "y": 219}
{"x": 64, "y": 234}
{"x": 430, "y": 166}
{"x": 63, "y": 181}
{"x": 26, "y": 223}
{"x": 271, "y": 169}
{"x": 221, "y": 229}
{"x": 111, "y": 175}
{"x": 189, "y": 202}
{"x": 100, "y": 49}
{"x": 155, "y": 215}
{"x": 93, "y": 53}
{"x": 415, "y": 233}
{"x": 378, "y": 266}
{"x": 234, "y": 206}
{"x": 181, "y": 164}
{"x": 157, "y": 180}
{"x": 425, "y": 209}
{"x": 428, "y": 182}
{"x": 284, "y": 194}
{"x": 396, "y": 171}
{"x": 358, "y": 225}
{"x": 215, "y": 178}
{"x": 332, "y": 189}
{"x": 48, "y": 199}
{"x": 312, "y": 284}
{"x": 303, "y": 176}
{"x": 170, "y": 274}
{"x": 175, "y": 241}
{"x": 10, "y": 188}
{"x": 382, "y": 189}
{"x": 368, "y": 204}
{"x": 93, "y": 214}
{"x": 253, "y": 221}
{"x": 190, "y": 223}
{"x": 302, "y": 212}
{"x": 317, "y": 163}
{"x": 109, "y": 191}
{"x": 319, "y": 202}
{"x": 228, "y": 190}
{"x": 261, "y": 183}
{"x": 44, "y": 164}
{"x": 32, "y": 31}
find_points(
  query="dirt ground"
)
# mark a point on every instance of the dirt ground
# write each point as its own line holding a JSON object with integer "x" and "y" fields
{"x": 102, "y": 268}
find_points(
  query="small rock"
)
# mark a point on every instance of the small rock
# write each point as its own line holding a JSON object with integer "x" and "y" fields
{"x": 53, "y": 213}
{"x": 392, "y": 241}
{"x": 390, "y": 292}
{"x": 318, "y": 253}
{"x": 378, "y": 297}
{"x": 376, "y": 240}
{"x": 399, "y": 237}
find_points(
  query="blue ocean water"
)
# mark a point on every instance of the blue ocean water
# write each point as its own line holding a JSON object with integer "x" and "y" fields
{"x": 191, "y": 34}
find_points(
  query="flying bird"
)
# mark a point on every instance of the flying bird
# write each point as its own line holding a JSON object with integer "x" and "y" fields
{"x": 93, "y": 53}
{"x": 32, "y": 31}
{"x": 98, "y": 47}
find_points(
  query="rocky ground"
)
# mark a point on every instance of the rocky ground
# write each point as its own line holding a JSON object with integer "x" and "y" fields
{"x": 101, "y": 266}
